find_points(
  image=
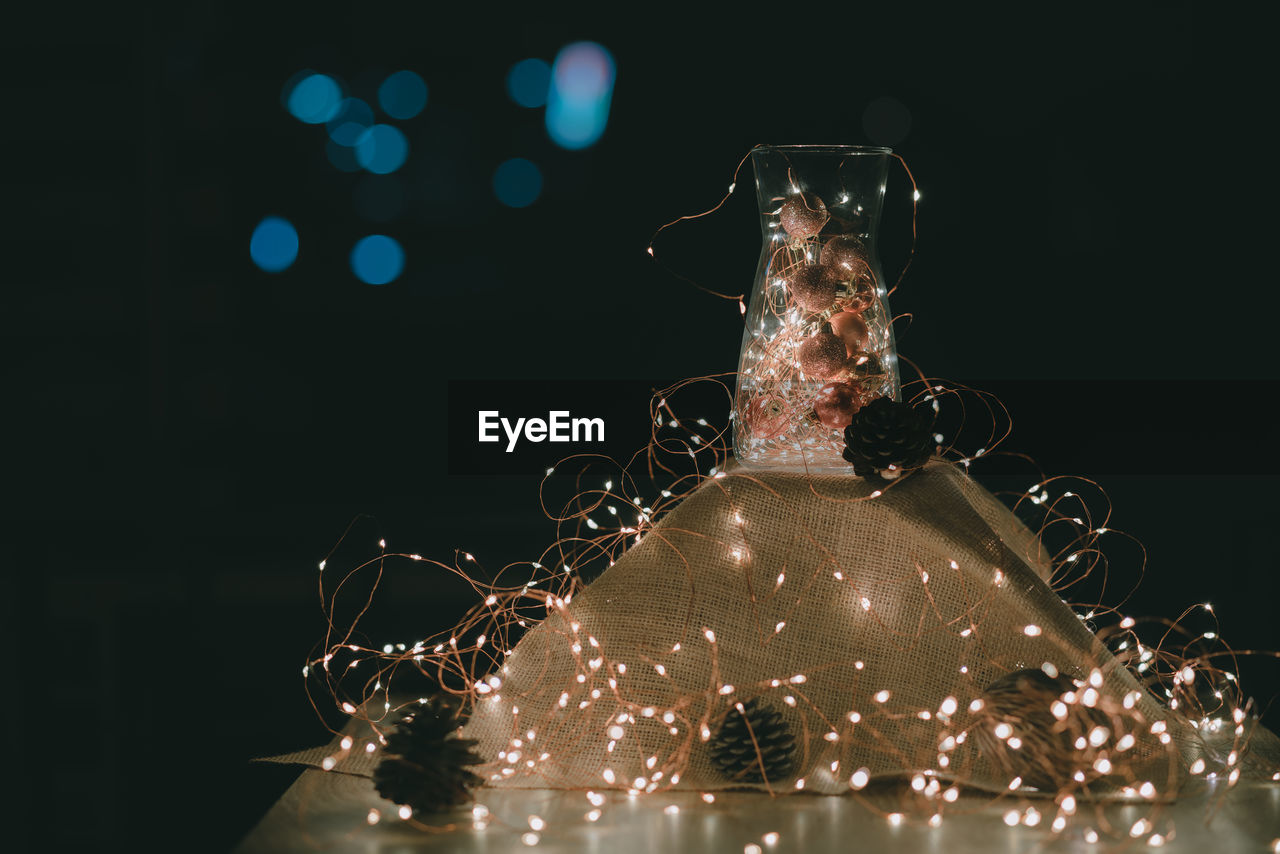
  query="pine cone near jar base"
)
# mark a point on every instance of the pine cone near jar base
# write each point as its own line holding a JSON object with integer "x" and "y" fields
{"x": 887, "y": 438}
{"x": 1020, "y": 704}
{"x": 754, "y": 745}
{"x": 426, "y": 764}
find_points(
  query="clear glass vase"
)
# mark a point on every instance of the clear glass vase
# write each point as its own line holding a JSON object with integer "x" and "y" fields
{"x": 818, "y": 343}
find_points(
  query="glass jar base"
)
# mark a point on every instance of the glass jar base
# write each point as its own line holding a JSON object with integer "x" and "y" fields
{"x": 813, "y": 461}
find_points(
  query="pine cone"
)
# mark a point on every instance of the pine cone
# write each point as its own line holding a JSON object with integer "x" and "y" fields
{"x": 426, "y": 764}
{"x": 1047, "y": 756}
{"x": 886, "y": 434}
{"x": 770, "y": 757}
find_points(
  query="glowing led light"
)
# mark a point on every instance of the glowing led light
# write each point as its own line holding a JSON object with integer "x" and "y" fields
{"x": 671, "y": 809}
{"x": 1012, "y": 817}
{"x": 402, "y": 95}
{"x": 770, "y": 838}
{"x": 1032, "y": 630}
{"x": 530, "y": 838}
{"x": 860, "y": 778}
{"x": 274, "y": 248}
{"x": 373, "y": 817}
{"x": 377, "y": 260}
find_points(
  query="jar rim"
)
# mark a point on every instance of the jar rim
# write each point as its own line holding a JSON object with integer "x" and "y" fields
{"x": 825, "y": 149}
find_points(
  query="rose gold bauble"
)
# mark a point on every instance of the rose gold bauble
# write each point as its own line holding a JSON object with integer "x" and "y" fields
{"x": 803, "y": 215}
{"x": 862, "y": 294}
{"x": 836, "y": 404}
{"x": 813, "y": 287}
{"x": 767, "y": 416}
{"x": 845, "y": 253}
{"x": 851, "y": 330}
{"x": 863, "y": 365}
{"x": 822, "y": 356}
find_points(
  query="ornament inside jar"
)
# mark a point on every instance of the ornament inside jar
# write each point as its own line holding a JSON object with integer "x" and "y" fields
{"x": 818, "y": 343}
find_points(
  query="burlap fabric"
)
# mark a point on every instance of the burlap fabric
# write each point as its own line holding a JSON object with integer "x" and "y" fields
{"x": 925, "y": 592}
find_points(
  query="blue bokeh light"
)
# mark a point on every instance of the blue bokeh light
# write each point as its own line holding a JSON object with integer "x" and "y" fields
{"x": 581, "y": 89}
{"x": 517, "y": 183}
{"x": 274, "y": 244}
{"x": 402, "y": 95}
{"x": 377, "y": 259}
{"x": 528, "y": 82}
{"x": 382, "y": 149}
{"x": 352, "y": 118}
{"x": 342, "y": 157}
{"x": 314, "y": 99}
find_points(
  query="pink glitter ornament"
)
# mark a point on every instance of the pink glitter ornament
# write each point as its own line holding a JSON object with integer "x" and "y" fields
{"x": 767, "y": 417}
{"x": 845, "y": 253}
{"x": 836, "y": 404}
{"x": 803, "y": 216}
{"x": 813, "y": 287}
{"x": 851, "y": 330}
{"x": 822, "y": 356}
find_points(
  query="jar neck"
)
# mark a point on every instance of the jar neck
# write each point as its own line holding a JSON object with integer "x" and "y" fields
{"x": 815, "y": 193}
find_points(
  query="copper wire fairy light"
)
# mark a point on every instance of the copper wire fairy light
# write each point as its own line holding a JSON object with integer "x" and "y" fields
{"x": 492, "y": 625}
{"x": 608, "y": 513}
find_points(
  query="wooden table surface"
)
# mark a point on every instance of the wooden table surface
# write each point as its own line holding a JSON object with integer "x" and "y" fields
{"x": 329, "y": 811}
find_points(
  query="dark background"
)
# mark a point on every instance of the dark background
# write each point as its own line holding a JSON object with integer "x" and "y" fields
{"x": 189, "y": 435}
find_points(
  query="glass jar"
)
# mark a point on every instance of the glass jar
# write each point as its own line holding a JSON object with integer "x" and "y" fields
{"x": 818, "y": 343}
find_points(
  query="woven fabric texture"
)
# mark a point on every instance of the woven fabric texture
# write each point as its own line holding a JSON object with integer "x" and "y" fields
{"x": 870, "y": 621}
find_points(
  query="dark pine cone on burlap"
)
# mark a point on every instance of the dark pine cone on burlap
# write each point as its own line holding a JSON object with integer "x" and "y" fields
{"x": 426, "y": 764}
{"x": 769, "y": 756}
{"x": 887, "y": 437}
{"x": 1046, "y": 755}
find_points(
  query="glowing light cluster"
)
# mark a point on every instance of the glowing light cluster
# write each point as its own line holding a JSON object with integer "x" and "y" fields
{"x": 1113, "y": 729}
